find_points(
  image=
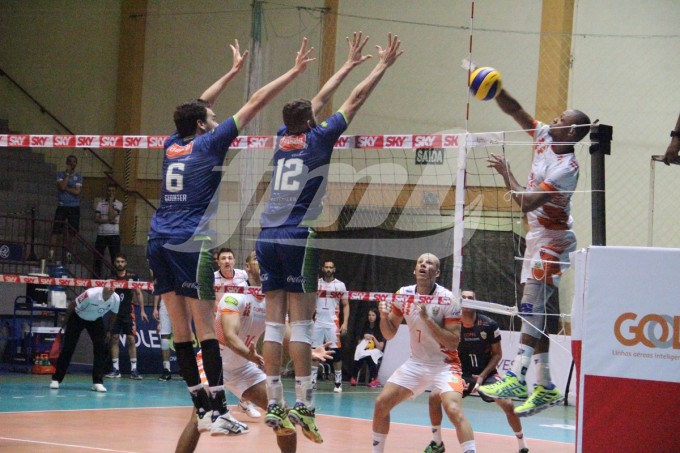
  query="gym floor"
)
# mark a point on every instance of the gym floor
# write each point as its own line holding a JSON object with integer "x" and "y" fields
{"x": 148, "y": 416}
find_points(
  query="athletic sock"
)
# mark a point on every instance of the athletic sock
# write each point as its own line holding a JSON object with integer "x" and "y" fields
{"x": 338, "y": 376}
{"x": 304, "y": 390}
{"x": 469, "y": 447}
{"x": 437, "y": 434}
{"x": 187, "y": 363}
{"x": 521, "y": 441}
{"x": 542, "y": 363}
{"x": 275, "y": 390}
{"x": 116, "y": 364}
{"x": 133, "y": 364}
{"x": 522, "y": 360}
{"x": 379, "y": 442}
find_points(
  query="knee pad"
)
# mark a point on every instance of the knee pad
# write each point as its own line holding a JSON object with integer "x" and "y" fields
{"x": 274, "y": 332}
{"x": 301, "y": 331}
{"x": 533, "y": 307}
{"x": 165, "y": 344}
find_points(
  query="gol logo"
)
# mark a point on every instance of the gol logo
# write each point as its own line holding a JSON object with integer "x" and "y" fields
{"x": 653, "y": 330}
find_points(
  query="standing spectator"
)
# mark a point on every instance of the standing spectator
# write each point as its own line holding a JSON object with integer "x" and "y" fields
{"x": 480, "y": 353}
{"x": 286, "y": 245}
{"x": 434, "y": 334}
{"x": 179, "y": 243}
{"x": 674, "y": 146}
{"x": 371, "y": 344}
{"x": 69, "y": 186}
{"x": 327, "y": 322}
{"x": 126, "y": 320}
{"x": 160, "y": 314}
{"x": 86, "y": 312}
{"x": 107, "y": 215}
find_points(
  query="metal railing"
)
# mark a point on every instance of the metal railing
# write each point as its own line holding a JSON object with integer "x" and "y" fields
{"x": 32, "y": 237}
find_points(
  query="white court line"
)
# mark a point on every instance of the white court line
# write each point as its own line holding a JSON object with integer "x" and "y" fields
{"x": 64, "y": 445}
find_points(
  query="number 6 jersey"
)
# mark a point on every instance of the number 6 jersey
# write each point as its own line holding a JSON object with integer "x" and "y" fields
{"x": 191, "y": 176}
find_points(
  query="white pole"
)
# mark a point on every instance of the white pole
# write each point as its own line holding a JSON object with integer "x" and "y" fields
{"x": 650, "y": 214}
{"x": 459, "y": 219}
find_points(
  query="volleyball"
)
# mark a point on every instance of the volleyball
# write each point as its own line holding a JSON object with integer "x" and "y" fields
{"x": 485, "y": 83}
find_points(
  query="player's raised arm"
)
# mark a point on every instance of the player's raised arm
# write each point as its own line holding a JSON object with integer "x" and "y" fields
{"x": 210, "y": 95}
{"x": 509, "y": 105}
{"x": 268, "y": 92}
{"x": 361, "y": 92}
{"x": 354, "y": 59}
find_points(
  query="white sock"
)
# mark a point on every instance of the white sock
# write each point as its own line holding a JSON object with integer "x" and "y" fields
{"x": 304, "y": 390}
{"x": 116, "y": 364}
{"x": 338, "y": 376}
{"x": 166, "y": 365}
{"x": 542, "y": 363}
{"x": 133, "y": 364}
{"x": 315, "y": 372}
{"x": 469, "y": 447}
{"x": 520, "y": 440}
{"x": 379, "y": 442}
{"x": 522, "y": 360}
{"x": 275, "y": 390}
{"x": 437, "y": 434}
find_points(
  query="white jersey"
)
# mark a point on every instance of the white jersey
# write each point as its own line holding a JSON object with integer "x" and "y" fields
{"x": 109, "y": 228}
{"x": 554, "y": 173}
{"x": 91, "y": 305}
{"x": 240, "y": 278}
{"x": 425, "y": 348}
{"x": 328, "y": 308}
{"x": 252, "y": 311}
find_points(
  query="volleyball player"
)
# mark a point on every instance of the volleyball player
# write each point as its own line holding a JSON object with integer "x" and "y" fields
{"x": 480, "y": 353}
{"x": 285, "y": 247}
{"x": 434, "y": 332}
{"x": 179, "y": 238}
{"x": 327, "y": 326}
{"x": 547, "y": 203}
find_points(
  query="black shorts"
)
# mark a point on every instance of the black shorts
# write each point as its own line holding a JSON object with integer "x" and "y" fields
{"x": 70, "y": 214}
{"x": 125, "y": 325}
{"x": 470, "y": 383}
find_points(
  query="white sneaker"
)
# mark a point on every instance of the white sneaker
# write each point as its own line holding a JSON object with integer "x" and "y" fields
{"x": 98, "y": 388}
{"x": 226, "y": 425}
{"x": 338, "y": 388}
{"x": 249, "y": 409}
{"x": 204, "y": 423}
{"x": 54, "y": 385}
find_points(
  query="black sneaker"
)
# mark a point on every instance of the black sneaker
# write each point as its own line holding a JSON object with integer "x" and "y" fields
{"x": 165, "y": 376}
{"x": 134, "y": 374}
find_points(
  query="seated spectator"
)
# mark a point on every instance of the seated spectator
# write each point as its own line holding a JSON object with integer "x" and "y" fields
{"x": 371, "y": 344}
{"x": 107, "y": 216}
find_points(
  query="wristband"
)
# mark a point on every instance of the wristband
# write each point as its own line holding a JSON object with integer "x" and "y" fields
{"x": 675, "y": 134}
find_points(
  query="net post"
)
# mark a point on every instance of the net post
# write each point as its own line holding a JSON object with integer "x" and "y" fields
{"x": 600, "y": 138}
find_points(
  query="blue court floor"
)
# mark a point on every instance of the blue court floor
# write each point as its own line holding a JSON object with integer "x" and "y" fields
{"x": 26, "y": 392}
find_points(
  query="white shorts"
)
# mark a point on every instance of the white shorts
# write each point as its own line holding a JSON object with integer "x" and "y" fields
{"x": 240, "y": 379}
{"x": 164, "y": 326}
{"x": 543, "y": 247}
{"x": 418, "y": 377}
{"x": 324, "y": 334}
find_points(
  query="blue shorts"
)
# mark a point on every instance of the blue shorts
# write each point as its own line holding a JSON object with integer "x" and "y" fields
{"x": 288, "y": 259}
{"x": 188, "y": 274}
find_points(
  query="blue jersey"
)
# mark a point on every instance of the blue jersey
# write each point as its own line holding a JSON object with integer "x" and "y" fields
{"x": 300, "y": 174}
{"x": 65, "y": 198}
{"x": 189, "y": 194}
